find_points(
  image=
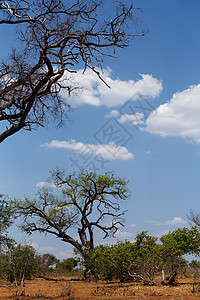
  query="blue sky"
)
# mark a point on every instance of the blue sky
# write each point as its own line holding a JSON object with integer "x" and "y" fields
{"x": 145, "y": 128}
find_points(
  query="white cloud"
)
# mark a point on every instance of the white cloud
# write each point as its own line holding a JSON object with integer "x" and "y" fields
{"x": 123, "y": 234}
{"x": 178, "y": 117}
{"x": 174, "y": 221}
{"x": 96, "y": 93}
{"x": 135, "y": 119}
{"x": 108, "y": 151}
{"x": 113, "y": 113}
{"x": 44, "y": 184}
{"x": 153, "y": 222}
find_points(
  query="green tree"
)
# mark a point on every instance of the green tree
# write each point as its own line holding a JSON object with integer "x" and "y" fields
{"x": 88, "y": 202}
{"x": 175, "y": 244}
{"x": 67, "y": 265}
{"x": 126, "y": 261}
{"x": 109, "y": 262}
{"x": 6, "y": 217}
{"x": 45, "y": 263}
{"x": 56, "y": 38}
{"x": 146, "y": 259}
{"x": 18, "y": 262}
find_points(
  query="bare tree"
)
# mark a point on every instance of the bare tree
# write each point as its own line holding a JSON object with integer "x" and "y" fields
{"x": 194, "y": 218}
{"x": 56, "y": 38}
{"x": 88, "y": 201}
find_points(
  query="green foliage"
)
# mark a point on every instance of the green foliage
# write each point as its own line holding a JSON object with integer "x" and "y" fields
{"x": 125, "y": 261}
{"x": 87, "y": 201}
{"x": 111, "y": 261}
{"x": 100, "y": 185}
{"x": 145, "y": 259}
{"x": 174, "y": 246}
{"x": 67, "y": 265}
{"x": 46, "y": 263}
{"x": 18, "y": 262}
{"x": 6, "y": 217}
{"x": 194, "y": 264}
{"x": 181, "y": 241}
{"x": 195, "y": 268}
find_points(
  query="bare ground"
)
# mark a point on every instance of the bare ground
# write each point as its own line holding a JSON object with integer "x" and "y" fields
{"x": 62, "y": 289}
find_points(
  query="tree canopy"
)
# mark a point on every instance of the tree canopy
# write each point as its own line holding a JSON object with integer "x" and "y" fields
{"x": 56, "y": 37}
{"x": 88, "y": 201}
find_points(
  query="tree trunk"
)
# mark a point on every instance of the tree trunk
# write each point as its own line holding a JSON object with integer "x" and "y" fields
{"x": 22, "y": 279}
{"x": 171, "y": 280}
{"x": 163, "y": 276}
{"x": 89, "y": 263}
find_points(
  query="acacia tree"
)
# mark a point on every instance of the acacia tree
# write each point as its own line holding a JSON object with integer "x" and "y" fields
{"x": 88, "y": 201}
{"x": 175, "y": 244}
{"x": 56, "y": 38}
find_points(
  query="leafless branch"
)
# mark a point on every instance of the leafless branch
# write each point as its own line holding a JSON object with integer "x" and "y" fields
{"x": 56, "y": 39}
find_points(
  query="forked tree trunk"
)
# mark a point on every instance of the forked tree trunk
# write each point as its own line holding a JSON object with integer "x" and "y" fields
{"x": 172, "y": 278}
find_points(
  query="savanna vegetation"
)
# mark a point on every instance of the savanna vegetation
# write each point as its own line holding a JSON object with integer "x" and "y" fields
{"x": 146, "y": 260}
{"x": 56, "y": 39}
{"x": 86, "y": 200}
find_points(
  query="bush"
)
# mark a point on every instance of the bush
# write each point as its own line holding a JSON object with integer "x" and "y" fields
{"x": 145, "y": 258}
{"x": 125, "y": 261}
{"x": 18, "y": 262}
{"x": 46, "y": 263}
{"x": 67, "y": 265}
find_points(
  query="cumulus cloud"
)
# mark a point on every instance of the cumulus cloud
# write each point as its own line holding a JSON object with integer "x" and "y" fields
{"x": 44, "y": 184}
{"x": 174, "y": 221}
{"x": 108, "y": 151}
{"x": 178, "y": 117}
{"x": 95, "y": 92}
{"x": 135, "y": 119}
{"x": 114, "y": 113}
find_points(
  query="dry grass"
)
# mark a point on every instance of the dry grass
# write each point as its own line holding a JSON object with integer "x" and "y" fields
{"x": 43, "y": 289}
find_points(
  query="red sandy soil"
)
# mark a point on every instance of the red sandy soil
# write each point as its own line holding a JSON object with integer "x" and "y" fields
{"x": 62, "y": 289}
